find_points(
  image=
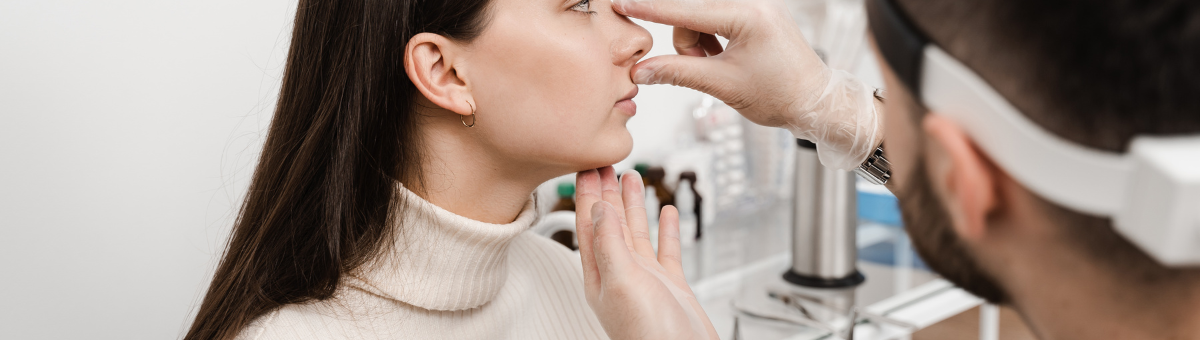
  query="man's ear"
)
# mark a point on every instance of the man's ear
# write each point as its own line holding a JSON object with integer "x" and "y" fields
{"x": 963, "y": 176}
{"x": 429, "y": 60}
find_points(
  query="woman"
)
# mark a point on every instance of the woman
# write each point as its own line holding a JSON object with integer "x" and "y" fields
{"x": 393, "y": 193}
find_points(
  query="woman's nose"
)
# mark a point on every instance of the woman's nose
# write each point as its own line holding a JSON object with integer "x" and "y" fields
{"x": 631, "y": 43}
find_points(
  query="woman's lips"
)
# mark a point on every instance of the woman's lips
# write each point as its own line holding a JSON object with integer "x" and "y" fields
{"x": 628, "y": 106}
{"x": 626, "y": 103}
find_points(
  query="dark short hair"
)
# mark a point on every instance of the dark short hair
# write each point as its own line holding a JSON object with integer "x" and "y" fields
{"x": 1094, "y": 72}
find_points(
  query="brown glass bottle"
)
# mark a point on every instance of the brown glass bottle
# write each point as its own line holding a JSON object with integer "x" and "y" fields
{"x": 566, "y": 202}
{"x": 654, "y": 178}
{"x": 566, "y": 197}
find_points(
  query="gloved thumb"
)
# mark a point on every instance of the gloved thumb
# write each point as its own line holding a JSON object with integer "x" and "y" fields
{"x": 697, "y": 73}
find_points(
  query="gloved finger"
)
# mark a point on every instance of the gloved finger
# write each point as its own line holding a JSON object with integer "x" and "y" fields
{"x": 613, "y": 259}
{"x": 633, "y": 192}
{"x": 706, "y": 75}
{"x": 668, "y": 242}
{"x": 714, "y": 17}
{"x": 687, "y": 42}
{"x": 610, "y": 191}
{"x": 695, "y": 44}
{"x": 587, "y": 193}
{"x": 711, "y": 45}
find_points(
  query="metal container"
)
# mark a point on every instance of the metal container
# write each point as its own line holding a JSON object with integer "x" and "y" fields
{"x": 824, "y": 222}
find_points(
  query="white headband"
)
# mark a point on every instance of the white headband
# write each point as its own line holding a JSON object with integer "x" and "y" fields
{"x": 1152, "y": 193}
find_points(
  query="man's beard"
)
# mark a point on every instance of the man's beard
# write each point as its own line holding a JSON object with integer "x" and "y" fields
{"x": 933, "y": 236}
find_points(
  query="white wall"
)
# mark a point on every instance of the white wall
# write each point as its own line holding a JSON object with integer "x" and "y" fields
{"x": 128, "y": 129}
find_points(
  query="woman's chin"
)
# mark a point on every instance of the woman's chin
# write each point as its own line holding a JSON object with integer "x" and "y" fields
{"x": 605, "y": 154}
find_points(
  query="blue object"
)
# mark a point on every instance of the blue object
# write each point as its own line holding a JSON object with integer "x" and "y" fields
{"x": 884, "y": 253}
{"x": 878, "y": 205}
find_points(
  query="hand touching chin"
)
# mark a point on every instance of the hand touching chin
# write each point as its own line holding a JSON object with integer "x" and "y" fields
{"x": 635, "y": 293}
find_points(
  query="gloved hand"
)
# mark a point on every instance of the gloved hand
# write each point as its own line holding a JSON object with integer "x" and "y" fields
{"x": 635, "y": 293}
{"x": 768, "y": 73}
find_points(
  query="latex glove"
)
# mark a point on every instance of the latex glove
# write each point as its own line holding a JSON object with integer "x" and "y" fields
{"x": 635, "y": 293}
{"x": 768, "y": 73}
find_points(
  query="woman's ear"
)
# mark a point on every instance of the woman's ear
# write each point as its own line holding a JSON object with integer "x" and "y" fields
{"x": 963, "y": 176}
{"x": 429, "y": 60}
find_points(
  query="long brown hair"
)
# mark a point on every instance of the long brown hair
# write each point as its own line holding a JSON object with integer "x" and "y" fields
{"x": 322, "y": 201}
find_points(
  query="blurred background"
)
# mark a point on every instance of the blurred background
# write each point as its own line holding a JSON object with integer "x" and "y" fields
{"x": 129, "y": 130}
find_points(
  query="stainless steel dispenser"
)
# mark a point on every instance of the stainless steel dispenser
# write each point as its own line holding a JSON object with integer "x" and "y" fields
{"x": 824, "y": 222}
{"x": 820, "y": 288}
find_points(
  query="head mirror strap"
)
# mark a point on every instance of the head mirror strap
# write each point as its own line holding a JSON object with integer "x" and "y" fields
{"x": 1080, "y": 178}
{"x": 900, "y": 43}
{"x": 1152, "y": 192}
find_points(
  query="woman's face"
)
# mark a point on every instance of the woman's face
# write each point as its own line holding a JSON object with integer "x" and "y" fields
{"x": 551, "y": 82}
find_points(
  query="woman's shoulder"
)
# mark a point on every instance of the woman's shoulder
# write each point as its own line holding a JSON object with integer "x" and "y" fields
{"x": 336, "y": 318}
{"x": 292, "y": 321}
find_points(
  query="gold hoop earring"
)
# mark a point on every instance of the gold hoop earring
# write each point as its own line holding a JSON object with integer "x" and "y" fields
{"x": 473, "y": 117}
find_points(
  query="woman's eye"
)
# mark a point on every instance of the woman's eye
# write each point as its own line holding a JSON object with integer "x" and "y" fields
{"x": 583, "y": 6}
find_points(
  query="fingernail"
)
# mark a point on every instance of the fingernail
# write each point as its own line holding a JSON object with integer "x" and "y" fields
{"x": 597, "y": 213}
{"x": 634, "y": 176}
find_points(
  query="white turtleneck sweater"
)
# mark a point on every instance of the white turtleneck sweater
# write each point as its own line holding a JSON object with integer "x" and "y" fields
{"x": 449, "y": 277}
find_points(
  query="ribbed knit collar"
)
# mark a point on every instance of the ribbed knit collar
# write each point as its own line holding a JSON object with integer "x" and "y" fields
{"x": 443, "y": 261}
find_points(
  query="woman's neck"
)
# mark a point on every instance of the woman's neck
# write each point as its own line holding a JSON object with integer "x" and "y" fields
{"x": 464, "y": 178}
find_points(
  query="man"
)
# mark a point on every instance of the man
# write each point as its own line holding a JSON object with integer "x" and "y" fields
{"x": 1095, "y": 74}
